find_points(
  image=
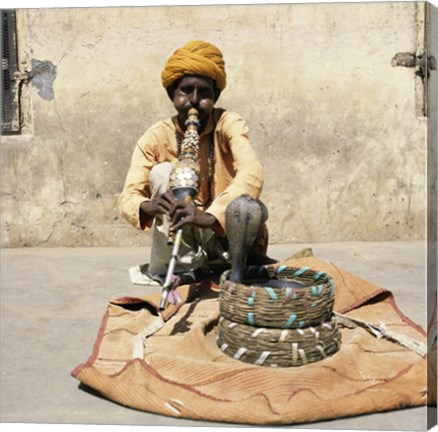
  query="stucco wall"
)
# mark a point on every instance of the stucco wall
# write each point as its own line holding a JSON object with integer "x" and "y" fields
{"x": 338, "y": 129}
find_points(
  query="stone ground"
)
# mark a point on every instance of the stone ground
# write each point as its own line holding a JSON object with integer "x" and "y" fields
{"x": 53, "y": 299}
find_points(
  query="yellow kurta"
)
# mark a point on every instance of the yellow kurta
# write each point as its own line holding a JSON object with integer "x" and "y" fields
{"x": 237, "y": 169}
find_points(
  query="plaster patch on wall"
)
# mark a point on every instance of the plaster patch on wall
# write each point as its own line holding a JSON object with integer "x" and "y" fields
{"x": 43, "y": 75}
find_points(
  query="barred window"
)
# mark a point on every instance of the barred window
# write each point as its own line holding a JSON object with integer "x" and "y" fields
{"x": 9, "y": 66}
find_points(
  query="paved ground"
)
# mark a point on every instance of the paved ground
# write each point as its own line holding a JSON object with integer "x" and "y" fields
{"x": 52, "y": 301}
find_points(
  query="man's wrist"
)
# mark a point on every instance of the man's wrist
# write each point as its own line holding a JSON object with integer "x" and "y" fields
{"x": 210, "y": 220}
{"x": 215, "y": 225}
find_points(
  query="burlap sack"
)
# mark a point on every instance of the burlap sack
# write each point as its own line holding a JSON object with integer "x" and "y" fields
{"x": 172, "y": 366}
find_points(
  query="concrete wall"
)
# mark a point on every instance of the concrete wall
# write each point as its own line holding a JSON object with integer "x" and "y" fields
{"x": 339, "y": 130}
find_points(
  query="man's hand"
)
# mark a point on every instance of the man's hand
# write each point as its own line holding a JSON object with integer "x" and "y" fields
{"x": 180, "y": 213}
{"x": 163, "y": 204}
{"x": 187, "y": 214}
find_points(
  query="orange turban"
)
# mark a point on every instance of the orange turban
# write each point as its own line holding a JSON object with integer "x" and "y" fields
{"x": 195, "y": 58}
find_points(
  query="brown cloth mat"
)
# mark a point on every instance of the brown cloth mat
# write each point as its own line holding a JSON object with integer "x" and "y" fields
{"x": 171, "y": 365}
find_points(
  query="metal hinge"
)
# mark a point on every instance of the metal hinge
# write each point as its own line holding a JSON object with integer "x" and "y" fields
{"x": 423, "y": 63}
{"x": 38, "y": 69}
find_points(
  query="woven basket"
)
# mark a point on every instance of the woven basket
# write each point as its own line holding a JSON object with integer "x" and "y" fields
{"x": 307, "y": 302}
{"x": 278, "y": 347}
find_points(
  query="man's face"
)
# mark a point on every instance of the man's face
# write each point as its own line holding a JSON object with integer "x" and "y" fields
{"x": 194, "y": 91}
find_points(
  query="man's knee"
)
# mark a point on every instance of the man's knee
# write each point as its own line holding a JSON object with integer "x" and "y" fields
{"x": 159, "y": 178}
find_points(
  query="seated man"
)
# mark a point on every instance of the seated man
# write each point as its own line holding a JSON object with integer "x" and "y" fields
{"x": 226, "y": 222}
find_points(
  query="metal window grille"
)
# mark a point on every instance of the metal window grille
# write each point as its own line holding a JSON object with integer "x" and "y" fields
{"x": 9, "y": 66}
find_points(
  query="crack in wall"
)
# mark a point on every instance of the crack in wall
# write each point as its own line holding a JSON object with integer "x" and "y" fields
{"x": 52, "y": 232}
{"x": 61, "y": 162}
